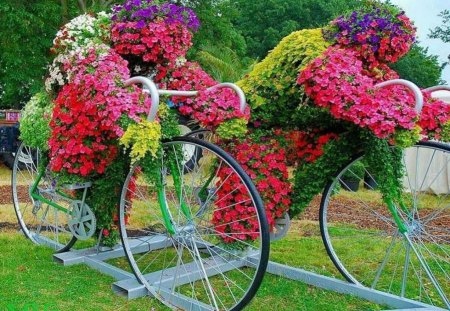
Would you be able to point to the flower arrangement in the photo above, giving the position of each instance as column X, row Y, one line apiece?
column 85, row 123
column 79, row 34
column 318, row 86
column 378, row 32
column 335, row 81
column 265, row 163
column 146, row 33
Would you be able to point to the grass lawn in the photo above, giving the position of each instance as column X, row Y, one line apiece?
column 30, row 280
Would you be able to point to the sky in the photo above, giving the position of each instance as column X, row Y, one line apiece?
column 424, row 14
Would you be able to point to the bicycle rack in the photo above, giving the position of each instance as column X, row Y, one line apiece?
column 126, row 284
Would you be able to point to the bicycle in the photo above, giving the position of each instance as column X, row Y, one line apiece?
column 166, row 224
column 403, row 249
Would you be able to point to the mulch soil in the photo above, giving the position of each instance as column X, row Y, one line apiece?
column 344, row 212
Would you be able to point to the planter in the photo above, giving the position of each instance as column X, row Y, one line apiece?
column 370, row 182
column 349, row 185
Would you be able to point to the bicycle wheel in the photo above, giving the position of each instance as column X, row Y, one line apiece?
column 39, row 221
column 365, row 244
column 174, row 236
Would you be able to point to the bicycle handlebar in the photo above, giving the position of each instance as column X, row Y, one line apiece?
column 411, row 86
column 150, row 87
column 438, row 88
column 234, row 87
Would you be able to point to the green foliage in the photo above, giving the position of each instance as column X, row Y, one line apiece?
column 406, row 138
column 222, row 63
column 233, row 128
column 105, row 194
column 26, row 35
column 355, row 173
column 34, row 123
column 216, row 28
column 264, row 23
column 442, row 32
column 385, row 161
column 271, row 87
column 419, row 67
column 310, row 179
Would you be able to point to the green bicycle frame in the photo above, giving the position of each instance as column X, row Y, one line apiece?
column 35, row 195
column 163, row 203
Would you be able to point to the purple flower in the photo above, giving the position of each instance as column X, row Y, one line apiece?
column 139, row 10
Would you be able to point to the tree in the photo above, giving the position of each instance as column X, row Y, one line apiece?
column 419, row 67
column 26, row 41
column 443, row 32
column 26, row 35
column 264, row 23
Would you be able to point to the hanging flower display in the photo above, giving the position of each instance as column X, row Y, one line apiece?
column 146, row 33
column 380, row 33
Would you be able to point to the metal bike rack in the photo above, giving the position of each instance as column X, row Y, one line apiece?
column 126, row 284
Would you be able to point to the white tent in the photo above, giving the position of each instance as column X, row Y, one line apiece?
column 434, row 178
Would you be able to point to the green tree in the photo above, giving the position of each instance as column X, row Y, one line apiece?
column 264, row 23
column 442, row 32
column 222, row 63
column 216, row 28
column 26, row 35
column 419, row 67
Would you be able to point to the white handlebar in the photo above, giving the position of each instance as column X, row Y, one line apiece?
column 150, row 87
column 438, row 88
column 234, row 87
column 411, row 86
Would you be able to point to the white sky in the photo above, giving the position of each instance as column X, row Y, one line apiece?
column 424, row 14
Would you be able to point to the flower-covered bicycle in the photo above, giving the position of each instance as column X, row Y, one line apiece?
column 329, row 104
column 102, row 159
column 325, row 107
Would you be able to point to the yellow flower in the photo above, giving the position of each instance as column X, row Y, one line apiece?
column 143, row 138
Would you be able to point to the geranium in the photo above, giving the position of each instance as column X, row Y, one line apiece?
column 147, row 33
column 381, row 33
column 304, row 147
column 265, row 163
column 85, row 123
column 184, row 76
column 212, row 108
column 435, row 118
column 155, row 42
column 335, row 81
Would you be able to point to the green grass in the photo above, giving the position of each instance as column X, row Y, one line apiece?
column 31, row 277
